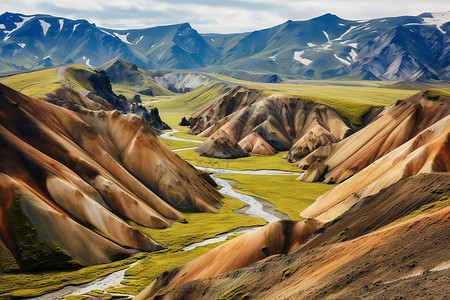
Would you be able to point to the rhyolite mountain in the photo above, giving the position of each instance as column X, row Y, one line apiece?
column 394, row 48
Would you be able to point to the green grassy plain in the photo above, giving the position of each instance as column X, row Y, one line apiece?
column 34, row 84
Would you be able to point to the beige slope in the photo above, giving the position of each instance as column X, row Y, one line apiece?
column 280, row 120
column 96, row 169
column 221, row 145
column 427, row 152
column 276, row 238
column 256, row 144
column 396, row 125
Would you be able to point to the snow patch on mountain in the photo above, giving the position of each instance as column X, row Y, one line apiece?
column 342, row 60
column 273, row 57
column 18, row 26
column 104, row 31
column 310, row 44
column 298, row 57
column 22, row 45
column 326, row 35
column 61, row 24
column 123, row 37
column 2, row 26
column 352, row 54
column 45, row 26
column 139, row 40
column 438, row 19
column 350, row 29
column 353, row 45
column 75, row 27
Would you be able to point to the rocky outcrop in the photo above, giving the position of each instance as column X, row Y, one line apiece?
column 70, row 178
column 221, row 145
column 184, row 122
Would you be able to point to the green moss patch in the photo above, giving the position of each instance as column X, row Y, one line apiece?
column 34, row 253
column 236, row 293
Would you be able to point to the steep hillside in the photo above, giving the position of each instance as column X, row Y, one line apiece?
column 275, row 123
column 351, row 257
column 393, row 48
column 394, row 126
column 77, row 175
column 427, row 152
column 121, row 72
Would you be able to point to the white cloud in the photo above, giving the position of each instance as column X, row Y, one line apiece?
column 216, row 16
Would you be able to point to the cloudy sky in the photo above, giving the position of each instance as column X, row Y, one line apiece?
column 220, row 16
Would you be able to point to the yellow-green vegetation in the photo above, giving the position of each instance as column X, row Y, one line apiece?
column 435, row 93
column 194, row 99
column 236, row 293
column 33, row 285
column 442, row 202
column 141, row 275
column 35, row 84
column 287, row 194
column 350, row 99
column 34, row 253
column 253, row 162
column 175, row 144
column 77, row 75
column 286, row 272
column 7, row 261
column 77, row 297
column 201, row 226
column 376, row 282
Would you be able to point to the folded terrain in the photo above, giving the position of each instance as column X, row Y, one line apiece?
column 393, row 48
column 71, row 178
column 409, row 138
column 265, row 125
column 388, row 245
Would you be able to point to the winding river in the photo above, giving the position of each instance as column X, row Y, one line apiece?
column 256, row 207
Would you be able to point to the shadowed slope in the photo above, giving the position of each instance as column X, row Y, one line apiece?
column 86, row 170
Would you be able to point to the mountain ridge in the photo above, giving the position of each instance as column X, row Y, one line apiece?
column 393, row 48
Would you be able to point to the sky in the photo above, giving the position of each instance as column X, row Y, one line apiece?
column 223, row 16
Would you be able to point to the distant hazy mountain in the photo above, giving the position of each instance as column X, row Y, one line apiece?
column 396, row 48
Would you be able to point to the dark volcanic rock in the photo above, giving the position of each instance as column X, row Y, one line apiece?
column 184, row 122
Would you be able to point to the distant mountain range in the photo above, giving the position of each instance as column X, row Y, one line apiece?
column 394, row 48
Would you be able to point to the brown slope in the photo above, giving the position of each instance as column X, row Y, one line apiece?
column 91, row 168
column 394, row 262
column 427, row 152
column 233, row 100
column 256, row 144
column 276, row 238
column 280, row 120
column 393, row 127
column 221, row 145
